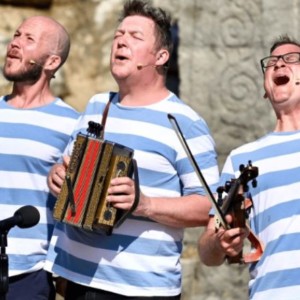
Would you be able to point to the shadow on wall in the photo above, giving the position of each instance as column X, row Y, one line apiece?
column 33, row 3
column 173, row 81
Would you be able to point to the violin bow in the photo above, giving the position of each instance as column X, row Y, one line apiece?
column 218, row 211
column 220, row 220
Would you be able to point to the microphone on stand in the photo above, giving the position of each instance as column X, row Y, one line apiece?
column 25, row 217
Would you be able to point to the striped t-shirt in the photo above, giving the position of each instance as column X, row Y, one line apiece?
column 275, row 217
column 31, row 141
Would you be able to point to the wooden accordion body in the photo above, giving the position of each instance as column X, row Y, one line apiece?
column 94, row 162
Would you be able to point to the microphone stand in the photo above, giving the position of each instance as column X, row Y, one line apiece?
column 3, row 265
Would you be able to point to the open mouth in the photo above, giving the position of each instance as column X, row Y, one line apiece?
column 281, row 80
column 120, row 57
column 13, row 54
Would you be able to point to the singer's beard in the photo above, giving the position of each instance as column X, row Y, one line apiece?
column 32, row 74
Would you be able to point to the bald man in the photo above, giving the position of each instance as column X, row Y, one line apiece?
column 34, row 130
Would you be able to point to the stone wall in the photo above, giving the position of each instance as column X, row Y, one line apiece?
column 221, row 42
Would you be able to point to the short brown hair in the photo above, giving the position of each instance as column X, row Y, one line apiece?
column 283, row 40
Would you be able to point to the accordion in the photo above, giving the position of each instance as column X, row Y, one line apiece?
column 93, row 163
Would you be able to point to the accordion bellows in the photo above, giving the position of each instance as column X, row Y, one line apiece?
column 93, row 163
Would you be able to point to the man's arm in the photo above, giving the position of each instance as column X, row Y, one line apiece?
column 185, row 211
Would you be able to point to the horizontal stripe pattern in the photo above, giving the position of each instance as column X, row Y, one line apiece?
column 275, row 216
column 141, row 257
column 31, row 140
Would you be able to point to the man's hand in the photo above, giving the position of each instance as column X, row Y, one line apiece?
column 215, row 245
column 121, row 193
column 231, row 241
column 57, row 175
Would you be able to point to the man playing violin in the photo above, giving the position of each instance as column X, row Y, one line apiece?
column 275, row 214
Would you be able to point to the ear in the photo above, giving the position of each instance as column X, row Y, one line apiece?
column 265, row 95
column 53, row 63
column 162, row 57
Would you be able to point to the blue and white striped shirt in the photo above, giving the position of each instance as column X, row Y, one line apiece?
column 141, row 257
column 31, row 141
column 275, row 218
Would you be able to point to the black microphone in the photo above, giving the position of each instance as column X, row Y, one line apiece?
column 25, row 217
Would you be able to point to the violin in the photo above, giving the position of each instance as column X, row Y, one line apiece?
column 236, row 204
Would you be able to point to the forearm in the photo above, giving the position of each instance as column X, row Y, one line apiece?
column 179, row 212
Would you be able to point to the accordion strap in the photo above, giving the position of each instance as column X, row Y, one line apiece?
column 105, row 113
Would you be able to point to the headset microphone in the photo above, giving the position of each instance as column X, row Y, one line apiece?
column 33, row 62
column 141, row 66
